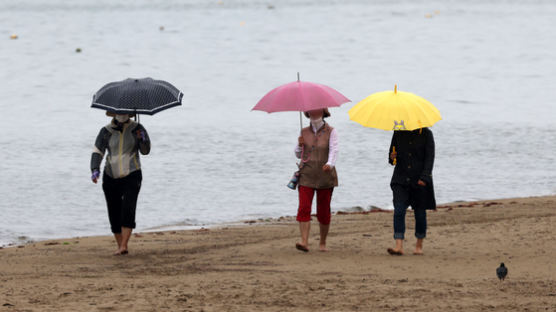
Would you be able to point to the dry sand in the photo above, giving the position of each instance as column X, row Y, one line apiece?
column 255, row 267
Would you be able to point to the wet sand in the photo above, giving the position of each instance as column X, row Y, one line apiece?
column 255, row 267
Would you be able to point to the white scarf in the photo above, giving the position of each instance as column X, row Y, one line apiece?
column 317, row 123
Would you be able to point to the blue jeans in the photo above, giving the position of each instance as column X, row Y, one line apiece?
column 403, row 198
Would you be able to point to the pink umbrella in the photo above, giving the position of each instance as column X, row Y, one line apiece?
column 300, row 96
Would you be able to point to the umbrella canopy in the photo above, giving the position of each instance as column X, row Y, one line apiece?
column 300, row 96
column 137, row 96
column 395, row 110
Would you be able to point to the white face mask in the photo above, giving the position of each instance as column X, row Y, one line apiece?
column 122, row 118
column 317, row 122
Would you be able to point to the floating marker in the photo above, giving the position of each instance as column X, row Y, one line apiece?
column 13, row 37
column 78, row 50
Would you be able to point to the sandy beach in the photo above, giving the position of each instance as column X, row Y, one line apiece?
column 255, row 267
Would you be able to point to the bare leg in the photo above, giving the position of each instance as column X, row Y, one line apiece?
column 323, row 233
column 419, row 247
column 126, row 234
column 118, row 237
column 304, row 228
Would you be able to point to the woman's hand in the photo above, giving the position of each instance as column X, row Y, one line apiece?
column 326, row 168
column 421, row 183
column 141, row 135
column 393, row 156
column 95, row 176
column 300, row 141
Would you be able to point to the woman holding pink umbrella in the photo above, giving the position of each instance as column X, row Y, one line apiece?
column 317, row 148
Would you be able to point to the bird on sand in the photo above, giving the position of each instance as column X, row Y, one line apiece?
column 502, row 271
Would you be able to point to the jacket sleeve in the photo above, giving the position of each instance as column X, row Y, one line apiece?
column 392, row 144
column 426, row 174
column 144, row 143
column 101, row 144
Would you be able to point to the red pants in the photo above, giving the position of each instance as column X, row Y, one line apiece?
column 324, row 196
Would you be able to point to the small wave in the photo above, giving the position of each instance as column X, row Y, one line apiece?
column 370, row 208
column 182, row 225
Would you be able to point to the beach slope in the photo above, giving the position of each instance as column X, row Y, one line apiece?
column 255, row 267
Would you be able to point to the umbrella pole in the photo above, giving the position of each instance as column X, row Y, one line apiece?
column 300, row 119
column 137, row 117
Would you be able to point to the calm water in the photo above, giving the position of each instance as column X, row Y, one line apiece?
column 487, row 65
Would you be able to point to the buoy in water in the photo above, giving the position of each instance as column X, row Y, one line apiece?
column 13, row 37
column 78, row 50
column 161, row 28
column 428, row 15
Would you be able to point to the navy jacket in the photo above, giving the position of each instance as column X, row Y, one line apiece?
column 414, row 161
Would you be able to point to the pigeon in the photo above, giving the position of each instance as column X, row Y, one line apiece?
column 502, row 271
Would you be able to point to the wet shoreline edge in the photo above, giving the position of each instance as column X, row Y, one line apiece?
column 282, row 220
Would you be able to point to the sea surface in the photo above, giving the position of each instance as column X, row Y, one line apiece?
column 488, row 66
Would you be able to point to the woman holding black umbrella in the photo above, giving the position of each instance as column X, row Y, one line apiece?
column 124, row 139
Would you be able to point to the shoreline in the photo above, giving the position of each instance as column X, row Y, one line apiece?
column 255, row 266
column 259, row 221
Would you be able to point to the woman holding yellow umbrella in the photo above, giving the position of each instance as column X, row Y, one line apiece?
column 411, row 152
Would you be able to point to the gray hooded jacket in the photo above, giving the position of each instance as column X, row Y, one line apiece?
column 123, row 145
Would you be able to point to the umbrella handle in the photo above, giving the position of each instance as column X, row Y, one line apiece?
column 303, row 152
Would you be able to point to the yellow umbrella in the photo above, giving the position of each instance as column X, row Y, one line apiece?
column 394, row 110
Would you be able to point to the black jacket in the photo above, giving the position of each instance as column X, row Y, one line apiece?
column 414, row 161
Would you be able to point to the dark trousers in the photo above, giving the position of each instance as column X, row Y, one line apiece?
column 405, row 196
column 121, row 199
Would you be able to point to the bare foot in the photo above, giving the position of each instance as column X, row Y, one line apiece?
column 323, row 248
column 419, row 247
column 121, row 252
column 395, row 252
column 301, row 247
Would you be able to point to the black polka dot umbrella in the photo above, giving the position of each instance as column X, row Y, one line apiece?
column 137, row 96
